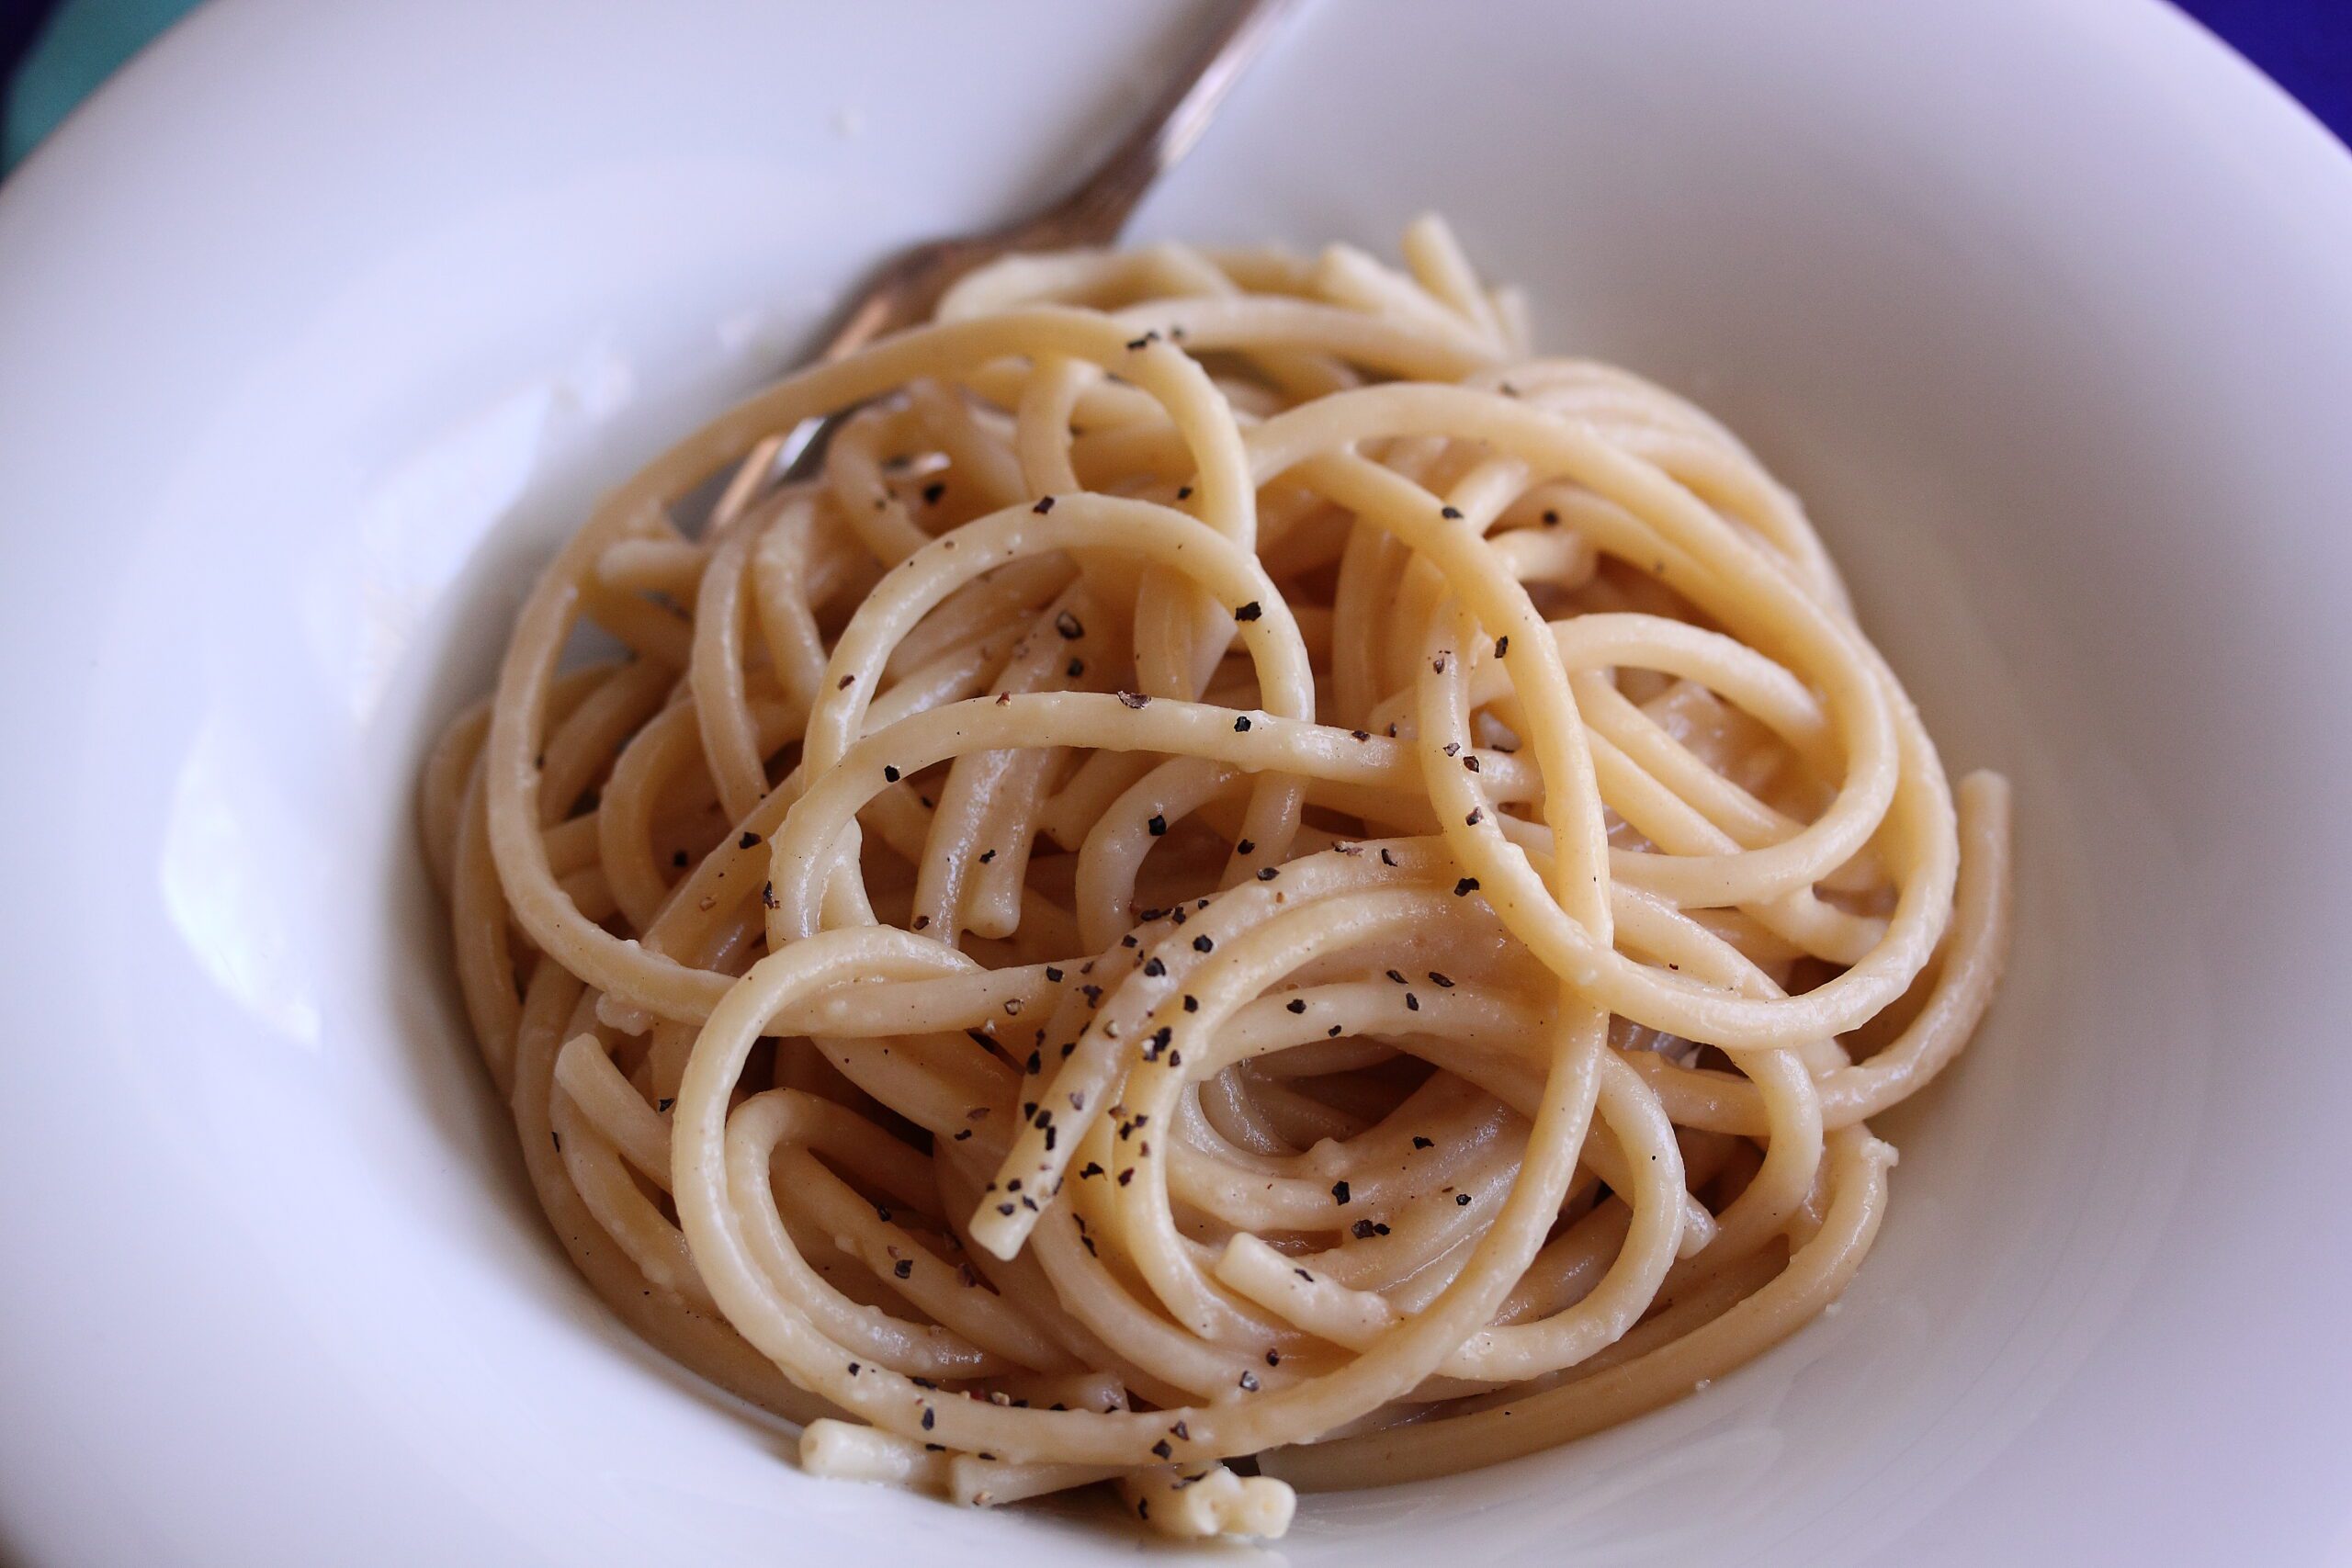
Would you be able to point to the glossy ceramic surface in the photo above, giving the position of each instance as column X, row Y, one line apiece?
column 322, row 325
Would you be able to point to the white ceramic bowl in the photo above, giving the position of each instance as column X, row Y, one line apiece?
column 321, row 325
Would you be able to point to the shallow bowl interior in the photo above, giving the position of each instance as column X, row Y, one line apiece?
column 321, row 328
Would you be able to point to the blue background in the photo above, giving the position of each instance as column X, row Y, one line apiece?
column 53, row 51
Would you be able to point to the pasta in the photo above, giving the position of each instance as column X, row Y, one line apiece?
column 1254, row 888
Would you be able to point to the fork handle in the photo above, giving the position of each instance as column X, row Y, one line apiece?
column 1091, row 212
column 1094, row 211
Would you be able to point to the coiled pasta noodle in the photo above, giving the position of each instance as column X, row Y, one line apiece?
column 1251, row 874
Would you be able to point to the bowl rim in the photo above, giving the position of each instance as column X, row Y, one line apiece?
column 87, row 155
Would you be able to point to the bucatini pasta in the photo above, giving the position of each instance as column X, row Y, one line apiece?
column 1252, row 889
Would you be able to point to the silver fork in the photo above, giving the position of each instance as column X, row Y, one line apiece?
column 904, row 290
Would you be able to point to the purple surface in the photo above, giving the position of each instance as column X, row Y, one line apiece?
column 2305, row 45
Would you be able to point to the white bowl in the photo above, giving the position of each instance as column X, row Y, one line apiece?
column 321, row 325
